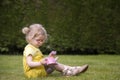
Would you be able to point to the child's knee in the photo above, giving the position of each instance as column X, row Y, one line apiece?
column 50, row 70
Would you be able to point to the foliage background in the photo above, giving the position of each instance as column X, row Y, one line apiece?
column 73, row 26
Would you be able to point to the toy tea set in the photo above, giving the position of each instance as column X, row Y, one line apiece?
column 51, row 60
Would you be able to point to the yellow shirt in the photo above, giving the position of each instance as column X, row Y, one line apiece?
column 37, row 56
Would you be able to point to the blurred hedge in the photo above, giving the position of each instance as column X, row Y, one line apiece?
column 74, row 26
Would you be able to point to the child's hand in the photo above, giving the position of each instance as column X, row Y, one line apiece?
column 43, row 61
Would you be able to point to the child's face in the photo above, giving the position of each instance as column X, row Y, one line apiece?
column 37, row 40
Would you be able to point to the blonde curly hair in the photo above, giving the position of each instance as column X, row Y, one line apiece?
column 32, row 30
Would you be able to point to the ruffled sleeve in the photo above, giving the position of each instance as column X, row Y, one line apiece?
column 29, row 50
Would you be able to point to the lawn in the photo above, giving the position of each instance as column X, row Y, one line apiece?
column 101, row 67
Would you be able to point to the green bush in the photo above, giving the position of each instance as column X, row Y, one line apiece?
column 78, row 26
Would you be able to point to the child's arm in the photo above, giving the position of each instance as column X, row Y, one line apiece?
column 34, row 64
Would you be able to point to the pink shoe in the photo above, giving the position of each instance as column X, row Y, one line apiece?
column 83, row 68
column 72, row 71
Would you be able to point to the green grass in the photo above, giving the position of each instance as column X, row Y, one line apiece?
column 101, row 67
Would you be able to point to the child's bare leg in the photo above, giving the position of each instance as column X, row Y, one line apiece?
column 59, row 67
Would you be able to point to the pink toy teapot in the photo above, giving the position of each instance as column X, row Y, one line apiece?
column 51, row 60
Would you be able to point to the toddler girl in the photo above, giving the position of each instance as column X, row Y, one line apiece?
column 34, row 63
